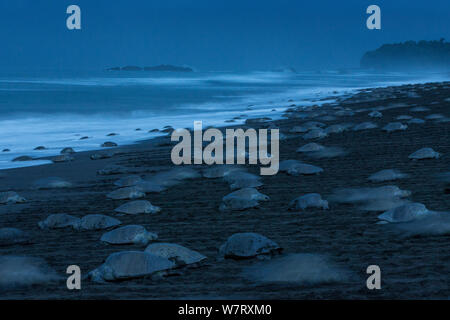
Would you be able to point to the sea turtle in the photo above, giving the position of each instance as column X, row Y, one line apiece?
column 404, row 213
column 404, row 117
column 67, row 151
column 424, row 153
column 128, row 265
column 337, row 128
column 128, row 181
column 10, row 197
column 51, row 183
column 308, row 200
column 248, row 245
column 311, row 147
column 12, row 236
column 344, row 113
column 174, row 176
column 40, row 148
column 416, row 121
column 59, row 221
column 97, row 222
column 22, row 158
column 314, row 124
column 365, row 126
column 435, row 116
column 131, row 234
column 420, row 109
column 102, row 155
column 242, row 199
column 327, row 118
column 138, row 207
column 394, row 126
column 239, row 180
column 219, row 171
column 299, row 129
column 295, row 168
column 126, row 193
column 62, row 158
column 178, row 254
column 375, row 114
column 317, row 133
column 387, row 175
column 434, row 223
column 109, row 144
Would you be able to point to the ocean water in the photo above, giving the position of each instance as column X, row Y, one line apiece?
column 56, row 109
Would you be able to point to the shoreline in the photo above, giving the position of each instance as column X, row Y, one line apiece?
column 412, row 267
column 96, row 130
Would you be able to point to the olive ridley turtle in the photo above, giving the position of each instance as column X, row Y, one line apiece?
column 138, row 207
column 308, row 200
column 424, row 153
column 178, row 254
column 131, row 234
column 128, row 265
column 126, row 193
column 248, row 245
column 59, row 221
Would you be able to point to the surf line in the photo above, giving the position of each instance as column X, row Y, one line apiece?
column 213, row 153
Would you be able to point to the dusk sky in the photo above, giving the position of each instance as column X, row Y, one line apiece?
column 209, row 35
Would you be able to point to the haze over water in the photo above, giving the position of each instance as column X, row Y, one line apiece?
column 56, row 110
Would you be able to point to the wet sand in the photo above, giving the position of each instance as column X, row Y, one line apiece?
column 412, row 268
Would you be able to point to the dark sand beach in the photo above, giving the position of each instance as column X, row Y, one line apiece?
column 412, row 267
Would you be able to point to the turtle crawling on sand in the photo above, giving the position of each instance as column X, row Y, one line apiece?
column 67, row 151
column 220, row 171
column 375, row 114
column 131, row 234
column 308, row 200
column 59, row 221
column 126, row 193
column 365, row 126
column 128, row 181
column 424, row 153
column 97, row 222
column 138, row 207
column 10, row 197
column 62, row 158
column 311, row 147
column 338, row 128
column 242, row 199
column 394, row 126
column 239, row 180
column 128, row 265
column 248, row 245
column 316, row 133
column 295, row 168
column 178, row 254
column 405, row 213
column 102, row 155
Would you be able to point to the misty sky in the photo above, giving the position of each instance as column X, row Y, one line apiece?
column 209, row 35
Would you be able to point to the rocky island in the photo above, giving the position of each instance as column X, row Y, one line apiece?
column 409, row 55
column 158, row 68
